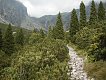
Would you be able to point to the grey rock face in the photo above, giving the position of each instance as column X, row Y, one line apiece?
column 12, row 11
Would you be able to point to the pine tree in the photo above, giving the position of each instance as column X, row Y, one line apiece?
column 54, row 33
column 42, row 33
column 101, row 12
column 74, row 24
column 50, row 32
column 19, row 39
column 93, row 13
column 8, row 46
column 82, row 15
column 35, row 30
column 59, row 31
column 1, row 40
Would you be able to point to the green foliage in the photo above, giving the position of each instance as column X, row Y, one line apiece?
column 58, row 30
column 101, row 12
column 103, row 40
column 8, row 46
column 96, row 70
column 7, row 73
column 42, row 33
column 5, row 60
column 67, row 37
column 35, row 30
column 50, row 33
column 43, row 58
column 85, row 37
column 93, row 13
column 54, row 33
column 1, row 40
column 94, row 53
column 92, row 39
column 103, row 54
column 82, row 15
column 35, row 38
column 44, row 61
column 19, row 39
column 46, row 58
column 74, row 25
column 58, row 48
column 3, row 27
column 14, row 29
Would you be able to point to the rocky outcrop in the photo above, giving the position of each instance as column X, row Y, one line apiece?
column 13, row 11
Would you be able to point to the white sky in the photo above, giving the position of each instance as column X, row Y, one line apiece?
column 38, row 8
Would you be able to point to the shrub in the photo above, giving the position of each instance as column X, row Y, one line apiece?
column 96, row 70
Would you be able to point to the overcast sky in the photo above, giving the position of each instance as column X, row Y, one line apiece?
column 38, row 8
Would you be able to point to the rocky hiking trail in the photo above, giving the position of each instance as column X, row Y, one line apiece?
column 76, row 65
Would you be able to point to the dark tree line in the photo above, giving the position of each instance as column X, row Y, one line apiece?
column 8, row 40
column 94, row 16
column 96, row 22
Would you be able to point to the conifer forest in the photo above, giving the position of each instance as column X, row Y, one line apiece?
column 55, row 53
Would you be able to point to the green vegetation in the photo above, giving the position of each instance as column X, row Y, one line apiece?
column 19, row 39
column 96, row 70
column 45, row 60
column 50, row 31
column 1, row 40
column 82, row 15
column 93, row 13
column 90, row 40
column 58, row 29
column 8, row 43
column 42, row 57
column 74, row 24
column 101, row 12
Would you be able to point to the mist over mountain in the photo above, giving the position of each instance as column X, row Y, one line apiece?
column 14, row 12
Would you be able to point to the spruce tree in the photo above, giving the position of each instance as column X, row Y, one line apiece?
column 50, row 32
column 82, row 15
column 59, row 31
column 35, row 30
column 1, row 40
column 42, row 33
column 54, row 33
column 101, row 12
column 8, row 46
column 93, row 13
column 19, row 39
column 74, row 24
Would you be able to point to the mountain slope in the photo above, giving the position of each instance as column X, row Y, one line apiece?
column 51, row 19
column 14, row 12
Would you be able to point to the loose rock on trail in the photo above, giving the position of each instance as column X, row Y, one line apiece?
column 76, row 65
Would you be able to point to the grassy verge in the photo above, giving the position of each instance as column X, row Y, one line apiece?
column 96, row 70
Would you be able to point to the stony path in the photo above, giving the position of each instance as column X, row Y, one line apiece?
column 76, row 66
